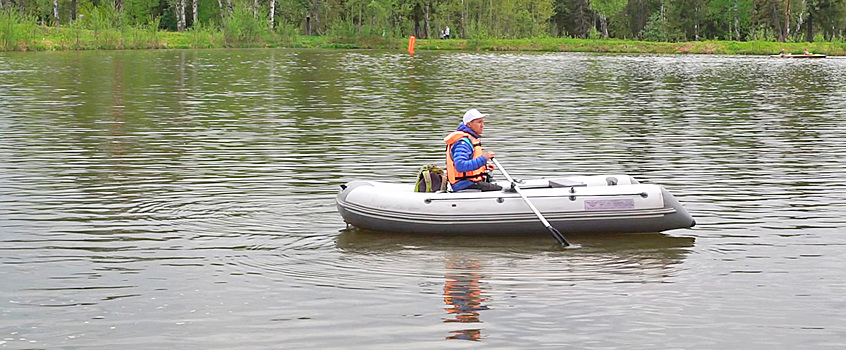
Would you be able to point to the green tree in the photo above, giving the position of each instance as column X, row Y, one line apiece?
column 829, row 16
column 605, row 9
column 687, row 16
column 729, row 18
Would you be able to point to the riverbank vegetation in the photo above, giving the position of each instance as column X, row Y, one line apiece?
column 640, row 26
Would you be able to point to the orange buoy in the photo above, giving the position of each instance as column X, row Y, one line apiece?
column 411, row 44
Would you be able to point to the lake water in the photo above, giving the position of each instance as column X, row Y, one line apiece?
column 185, row 200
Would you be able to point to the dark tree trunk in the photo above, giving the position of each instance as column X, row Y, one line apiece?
column 426, row 28
column 603, row 25
column 777, row 22
column 809, row 33
column 787, row 21
column 315, row 17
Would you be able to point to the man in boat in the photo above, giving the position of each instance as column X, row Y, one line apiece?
column 466, row 163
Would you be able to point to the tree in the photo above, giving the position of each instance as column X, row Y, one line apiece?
column 573, row 17
column 687, row 16
column 313, row 18
column 605, row 9
column 272, row 13
column 769, row 13
column 56, row 13
column 180, row 15
column 426, row 10
column 827, row 15
column 787, row 20
column 727, row 17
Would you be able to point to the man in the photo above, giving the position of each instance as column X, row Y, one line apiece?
column 466, row 163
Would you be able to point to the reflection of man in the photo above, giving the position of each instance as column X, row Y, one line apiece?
column 463, row 298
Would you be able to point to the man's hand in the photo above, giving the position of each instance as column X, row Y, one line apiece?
column 490, row 167
column 488, row 155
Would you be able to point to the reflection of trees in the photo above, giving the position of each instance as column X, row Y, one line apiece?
column 463, row 296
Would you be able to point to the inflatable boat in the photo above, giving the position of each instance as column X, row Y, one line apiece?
column 579, row 204
column 790, row 55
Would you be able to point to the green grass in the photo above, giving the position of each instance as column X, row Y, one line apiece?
column 18, row 33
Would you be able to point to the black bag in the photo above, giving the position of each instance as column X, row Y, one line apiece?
column 430, row 178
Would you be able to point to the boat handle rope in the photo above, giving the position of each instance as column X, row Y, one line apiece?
column 571, row 196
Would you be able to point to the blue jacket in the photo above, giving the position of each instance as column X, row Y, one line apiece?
column 462, row 153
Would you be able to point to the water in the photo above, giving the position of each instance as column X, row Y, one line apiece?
column 185, row 200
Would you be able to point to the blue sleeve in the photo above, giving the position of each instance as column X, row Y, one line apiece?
column 462, row 153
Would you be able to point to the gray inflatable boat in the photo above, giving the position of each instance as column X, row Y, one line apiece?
column 579, row 204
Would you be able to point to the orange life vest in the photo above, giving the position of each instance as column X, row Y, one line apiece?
column 454, row 175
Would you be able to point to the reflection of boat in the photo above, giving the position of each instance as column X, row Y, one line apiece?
column 790, row 55
column 582, row 204
column 631, row 245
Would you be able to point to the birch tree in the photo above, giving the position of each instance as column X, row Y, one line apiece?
column 56, row 13
column 272, row 13
column 180, row 15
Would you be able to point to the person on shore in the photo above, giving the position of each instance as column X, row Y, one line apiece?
column 466, row 163
column 446, row 33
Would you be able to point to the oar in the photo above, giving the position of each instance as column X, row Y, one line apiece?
column 555, row 233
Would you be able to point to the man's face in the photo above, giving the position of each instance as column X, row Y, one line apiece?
column 477, row 125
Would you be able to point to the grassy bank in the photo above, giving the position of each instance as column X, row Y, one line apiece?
column 634, row 46
column 17, row 36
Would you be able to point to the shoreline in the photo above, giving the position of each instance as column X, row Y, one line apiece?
column 57, row 40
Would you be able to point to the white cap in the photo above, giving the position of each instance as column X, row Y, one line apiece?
column 472, row 115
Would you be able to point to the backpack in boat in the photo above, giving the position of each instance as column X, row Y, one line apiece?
column 430, row 178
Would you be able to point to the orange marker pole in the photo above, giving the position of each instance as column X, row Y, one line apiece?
column 411, row 45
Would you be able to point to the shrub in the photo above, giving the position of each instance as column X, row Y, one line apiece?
column 245, row 27
column 16, row 30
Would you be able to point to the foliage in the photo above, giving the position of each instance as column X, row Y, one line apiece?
column 16, row 30
column 387, row 23
column 142, row 36
column 140, row 11
column 100, row 18
column 201, row 36
column 659, row 29
column 244, row 26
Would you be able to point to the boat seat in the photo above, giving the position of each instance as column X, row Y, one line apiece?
column 557, row 183
column 554, row 183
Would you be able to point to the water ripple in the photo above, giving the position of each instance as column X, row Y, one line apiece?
column 200, row 195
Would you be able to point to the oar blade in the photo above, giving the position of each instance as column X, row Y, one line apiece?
column 558, row 236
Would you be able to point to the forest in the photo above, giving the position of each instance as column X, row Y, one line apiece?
column 644, row 20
